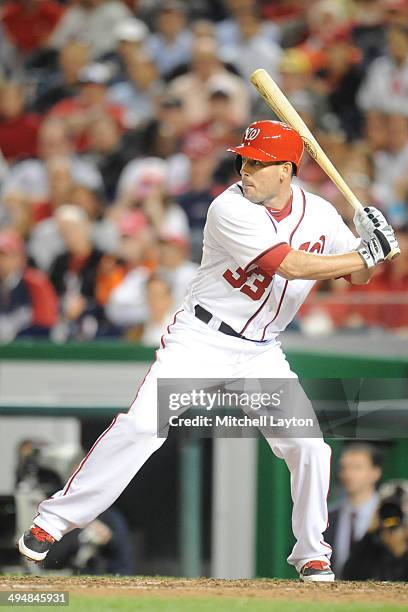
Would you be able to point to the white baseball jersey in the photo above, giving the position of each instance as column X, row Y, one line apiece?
column 231, row 286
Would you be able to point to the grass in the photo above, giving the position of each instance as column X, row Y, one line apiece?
column 211, row 604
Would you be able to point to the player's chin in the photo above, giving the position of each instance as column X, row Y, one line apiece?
column 250, row 194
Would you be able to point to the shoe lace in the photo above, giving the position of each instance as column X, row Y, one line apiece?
column 42, row 535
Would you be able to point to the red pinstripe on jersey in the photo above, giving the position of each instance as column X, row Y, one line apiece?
column 286, row 283
column 271, row 219
column 163, row 345
column 84, row 460
column 257, row 312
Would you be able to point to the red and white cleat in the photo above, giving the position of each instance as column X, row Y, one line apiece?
column 35, row 543
column 316, row 571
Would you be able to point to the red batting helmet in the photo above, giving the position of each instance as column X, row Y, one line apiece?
column 270, row 141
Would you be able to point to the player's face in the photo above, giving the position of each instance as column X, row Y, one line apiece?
column 262, row 181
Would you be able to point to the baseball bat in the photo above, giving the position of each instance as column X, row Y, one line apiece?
column 281, row 106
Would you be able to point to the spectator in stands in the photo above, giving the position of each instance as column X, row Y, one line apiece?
column 16, row 213
column 130, row 35
column 203, row 28
column 206, row 72
column 60, row 181
column 387, row 308
column 18, row 128
column 252, row 49
column 92, row 21
column 385, row 86
column 375, row 131
column 383, row 552
column 137, row 94
column 221, row 126
column 91, row 101
column 104, row 231
column 175, row 267
column 72, row 58
column 390, row 165
column 228, row 30
column 152, row 185
column 3, row 167
column 323, row 18
column 196, row 200
column 303, row 92
column 160, row 208
column 29, row 24
column 171, row 43
column 283, row 11
column 399, row 207
column 106, row 152
column 341, row 78
column 160, row 307
column 163, row 135
column 30, row 177
column 368, row 31
column 359, row 473
column 28, row 304
column 73, row 274
column 395, row 12
column 295, row 71
column 126, row 306
column 46, row 241
column 358, row 171
column 11, row 62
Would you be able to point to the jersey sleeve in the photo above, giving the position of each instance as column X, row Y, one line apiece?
column 246, row 231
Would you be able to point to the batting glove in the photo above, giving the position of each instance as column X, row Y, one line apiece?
column 379, row 247
column 367, row 220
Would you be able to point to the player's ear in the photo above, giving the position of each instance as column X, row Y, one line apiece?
column 286, row 170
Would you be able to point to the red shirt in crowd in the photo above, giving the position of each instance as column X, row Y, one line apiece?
column 18, row 136
column 69, row 107
column 28, row 25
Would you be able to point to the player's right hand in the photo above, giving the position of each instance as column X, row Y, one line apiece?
column 367, row 220
column 379, row 247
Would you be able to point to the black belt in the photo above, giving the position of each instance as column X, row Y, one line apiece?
column 205, row 316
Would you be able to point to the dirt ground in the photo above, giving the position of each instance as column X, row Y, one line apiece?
column 204, row 587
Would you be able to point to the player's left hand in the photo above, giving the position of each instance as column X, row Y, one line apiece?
column 367, row 221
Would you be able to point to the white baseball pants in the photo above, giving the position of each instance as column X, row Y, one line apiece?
column 191, row 349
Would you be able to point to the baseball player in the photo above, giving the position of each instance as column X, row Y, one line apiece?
column 266, row 242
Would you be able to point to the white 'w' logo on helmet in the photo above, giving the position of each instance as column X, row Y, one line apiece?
column 251, row 133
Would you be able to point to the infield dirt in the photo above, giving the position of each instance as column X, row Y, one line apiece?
column 96, row 586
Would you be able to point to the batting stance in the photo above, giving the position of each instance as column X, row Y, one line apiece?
column 266, row 242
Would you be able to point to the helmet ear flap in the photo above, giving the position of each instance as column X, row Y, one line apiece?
column 238, row 163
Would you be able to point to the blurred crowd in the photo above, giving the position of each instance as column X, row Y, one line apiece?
column 115, row 116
